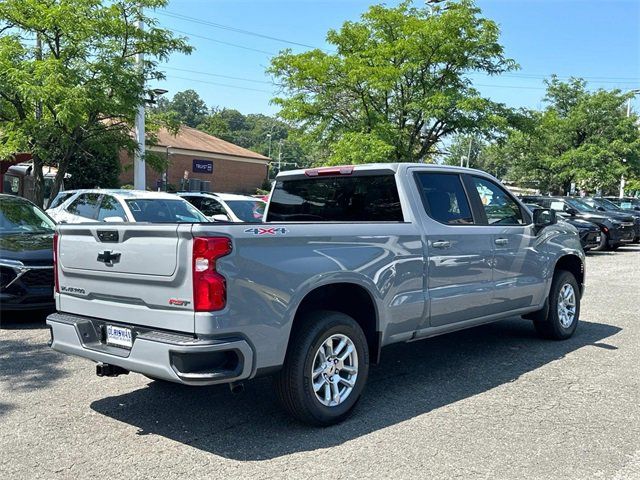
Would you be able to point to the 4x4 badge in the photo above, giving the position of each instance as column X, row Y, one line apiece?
column 267, row 230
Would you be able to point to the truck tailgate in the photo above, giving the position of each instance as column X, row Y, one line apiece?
column 129, row 273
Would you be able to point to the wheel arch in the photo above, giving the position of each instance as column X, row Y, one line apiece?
column 575, row 265
column 351, row 299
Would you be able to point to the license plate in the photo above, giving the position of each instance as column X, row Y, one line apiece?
column 119, row 336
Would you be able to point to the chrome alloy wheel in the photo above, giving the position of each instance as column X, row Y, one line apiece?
column 334, row 370
column 567, row 305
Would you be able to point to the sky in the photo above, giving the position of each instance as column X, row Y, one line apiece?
column 235, row 39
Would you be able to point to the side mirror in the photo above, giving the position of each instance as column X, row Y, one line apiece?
column 600, row 209
column 543, row 217
column 114, row 219
column 572, row 211
column 221, row 217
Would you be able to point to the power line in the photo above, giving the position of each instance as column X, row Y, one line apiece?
column 180, row 16
column 224, row 43
column 615, row 80
column 219, row 84
column 243, row 79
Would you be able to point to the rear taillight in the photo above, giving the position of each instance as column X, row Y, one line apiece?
column 55, row 263
column 209, row 287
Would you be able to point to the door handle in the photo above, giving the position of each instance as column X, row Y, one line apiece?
column 441, row 244
column 501, row 241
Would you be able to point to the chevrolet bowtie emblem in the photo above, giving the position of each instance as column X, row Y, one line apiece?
column 109, row 257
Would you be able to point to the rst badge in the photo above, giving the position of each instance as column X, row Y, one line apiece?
column 179, row 302
column 267, row 230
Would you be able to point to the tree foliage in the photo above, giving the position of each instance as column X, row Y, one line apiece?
column 581, row 137
column 190, row 108
column 82, row 84
column 398, row 77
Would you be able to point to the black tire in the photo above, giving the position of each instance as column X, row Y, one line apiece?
column 614, row 247
column 294, row 383
column 604, row 243
column 551, row 327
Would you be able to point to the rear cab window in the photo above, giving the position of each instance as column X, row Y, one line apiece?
column 85, row 206
column 354, row 198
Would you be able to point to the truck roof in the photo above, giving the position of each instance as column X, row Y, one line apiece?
column 377, row 167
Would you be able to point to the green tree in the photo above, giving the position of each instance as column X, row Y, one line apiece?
column 581, row 137
column 190, row 108
column 399, row 77
column 79, row 83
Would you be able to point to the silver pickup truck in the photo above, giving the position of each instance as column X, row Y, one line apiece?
column 348, row 260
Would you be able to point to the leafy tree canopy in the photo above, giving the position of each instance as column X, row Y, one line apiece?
column 191, row 110
column 81, row 84
column 398, row 78
column 582, row 137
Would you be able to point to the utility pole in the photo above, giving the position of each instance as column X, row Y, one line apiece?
column 469, row 155
column 279, row 155
column 139, row 173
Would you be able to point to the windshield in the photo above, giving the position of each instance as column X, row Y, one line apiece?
column 157, row 210
column 247, row 210
column 580, row 205
column 607, row 204
column 22, row 217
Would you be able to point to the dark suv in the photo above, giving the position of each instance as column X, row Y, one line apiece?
column 617, row 229
column 26, row 255
column 588, row 232
column 605, row 205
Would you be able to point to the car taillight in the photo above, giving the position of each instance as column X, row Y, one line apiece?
column 55, row 263
column 209, row 287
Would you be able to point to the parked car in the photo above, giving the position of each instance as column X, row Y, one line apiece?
column 80, row 206
column 377, row 254
column 227, row 207
column 604, row 205
column 26, row 255
column 626, row 203
column 616, row 229
column 588, row 232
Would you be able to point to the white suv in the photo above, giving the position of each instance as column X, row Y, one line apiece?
column 227, row 207
column 99, row 205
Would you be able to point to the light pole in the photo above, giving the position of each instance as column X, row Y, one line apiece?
column 633, row 93
column 139, row 167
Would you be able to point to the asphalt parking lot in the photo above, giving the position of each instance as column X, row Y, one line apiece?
column 491, row 402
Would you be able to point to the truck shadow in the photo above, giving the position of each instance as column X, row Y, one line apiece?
column 413, row 379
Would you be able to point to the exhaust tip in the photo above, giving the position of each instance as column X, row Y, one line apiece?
column 107, row 370
column 236, row 387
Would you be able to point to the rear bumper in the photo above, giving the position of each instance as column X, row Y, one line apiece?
column 169, row 356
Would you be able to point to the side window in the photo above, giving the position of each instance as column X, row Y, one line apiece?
column 60, row 199
column 11, row 184
column 444, row 198
column 193, row 200
column 499, row 207
column 211, row 207
column 110, row 207
column 86, row 205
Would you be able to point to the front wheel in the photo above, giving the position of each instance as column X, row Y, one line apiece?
column 325, row 370
column 564, row 308
column 604, row 242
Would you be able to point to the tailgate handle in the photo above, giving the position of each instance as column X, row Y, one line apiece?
column 108, row 236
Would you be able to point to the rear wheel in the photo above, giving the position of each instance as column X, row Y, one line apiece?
column 325, row 370
column 564, row 308
column 604, row 242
